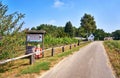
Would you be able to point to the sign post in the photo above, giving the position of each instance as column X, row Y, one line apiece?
column 34, row 36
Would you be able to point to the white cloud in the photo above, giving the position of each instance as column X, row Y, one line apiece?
column 58, row 3
column 52, row 22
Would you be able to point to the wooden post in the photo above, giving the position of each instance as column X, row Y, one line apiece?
column 74, row 45
column 63, row 49
column 32, row 59
column 78, row 42
column 70, row 46
column 26, row 44
column 43, row 45
column 52, row 53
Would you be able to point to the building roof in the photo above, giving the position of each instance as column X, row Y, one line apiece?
column 36, row 32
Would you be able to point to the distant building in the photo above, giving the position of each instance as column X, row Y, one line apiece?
column 108, row 38
column 80, row 38
column 91, row 37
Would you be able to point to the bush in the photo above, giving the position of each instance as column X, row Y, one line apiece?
column 10, row 46
column 52, row 41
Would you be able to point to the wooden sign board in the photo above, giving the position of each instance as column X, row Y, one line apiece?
column 29, row 49
column 34, row 38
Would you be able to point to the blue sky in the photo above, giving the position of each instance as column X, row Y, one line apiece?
column 58, row 12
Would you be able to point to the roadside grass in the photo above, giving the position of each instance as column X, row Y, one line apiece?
column 47, row 62
column 36, row 67
column 113, row 51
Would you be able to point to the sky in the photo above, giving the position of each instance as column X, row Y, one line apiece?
column 57, row 12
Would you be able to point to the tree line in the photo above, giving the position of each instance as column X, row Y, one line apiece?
column 87, row 26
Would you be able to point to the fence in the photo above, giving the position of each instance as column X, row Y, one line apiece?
column 31, row 55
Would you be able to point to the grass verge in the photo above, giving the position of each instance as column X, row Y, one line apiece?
column 36, row 67
column 113, row 51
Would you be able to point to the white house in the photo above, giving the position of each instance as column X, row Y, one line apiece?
column 91, row 37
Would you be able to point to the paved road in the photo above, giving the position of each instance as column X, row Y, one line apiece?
column 89, row 62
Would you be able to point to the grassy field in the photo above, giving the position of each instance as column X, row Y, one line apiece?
column 30, row 71
column 113, row 51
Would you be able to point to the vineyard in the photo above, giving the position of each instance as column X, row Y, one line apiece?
column 13, row 46
column 113, row 50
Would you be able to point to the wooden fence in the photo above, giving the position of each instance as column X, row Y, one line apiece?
column 31, row 55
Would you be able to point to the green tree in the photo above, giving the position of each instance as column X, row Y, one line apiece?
column 99, row 34
column 51, row 30
column 69, row 29
column 9, row 24
column 9, row 27
column 33, row 28
column 116, row 34
column 88, row 23
column 81, row 32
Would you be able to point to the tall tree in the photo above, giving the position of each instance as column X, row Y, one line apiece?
column 88, row 23
column 81, row 32
column 99, row 34
column 52, row 30
column 9, row 24
column 69, row 29
column 116, row 34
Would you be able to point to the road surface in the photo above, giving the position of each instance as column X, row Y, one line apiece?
column 90, row 61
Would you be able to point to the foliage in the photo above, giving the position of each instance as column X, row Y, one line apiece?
column 88, row 23
column 99, row 34
column 116, row 34
column 10, row 46
column 51, row 30
column 9, row 24
column 52, row 41
column 69, row 29
column 9, row 30
column 81, row 32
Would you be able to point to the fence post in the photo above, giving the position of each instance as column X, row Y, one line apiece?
column 63, row 49
column 43, row 54
column 74, row 45
column 52, row 53
column 78, row 42
column 32, row 59
column 70, row 46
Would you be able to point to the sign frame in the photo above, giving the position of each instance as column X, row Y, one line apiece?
column 34, row 37
column 36, row 32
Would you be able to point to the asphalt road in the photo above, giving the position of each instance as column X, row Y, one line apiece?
column 90, row 61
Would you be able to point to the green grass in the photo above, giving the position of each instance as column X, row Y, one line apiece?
column 46, row 63
column 36, row 67
column 113, row 51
